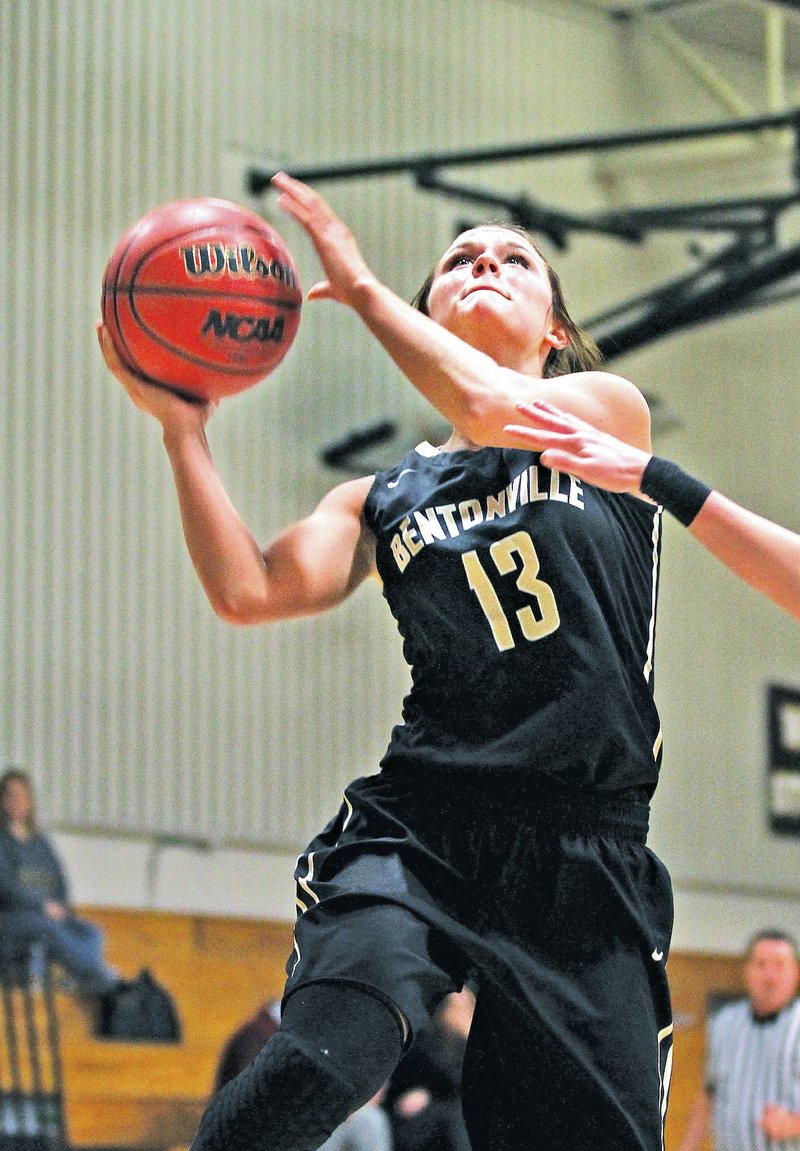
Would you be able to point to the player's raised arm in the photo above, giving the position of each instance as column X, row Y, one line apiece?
column 762, row 553
column 309, row 567
column 474, row 373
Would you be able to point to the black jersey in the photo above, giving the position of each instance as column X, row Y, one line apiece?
column 526, row 600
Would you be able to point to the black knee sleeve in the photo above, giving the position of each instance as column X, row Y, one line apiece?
column 348, row 1029
column 336, row 1047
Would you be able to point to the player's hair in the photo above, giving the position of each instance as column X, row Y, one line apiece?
column 581, row 353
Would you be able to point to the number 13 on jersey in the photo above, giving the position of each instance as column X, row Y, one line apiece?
column 514, row 553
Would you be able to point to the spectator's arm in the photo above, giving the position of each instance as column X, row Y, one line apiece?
column 61, row 892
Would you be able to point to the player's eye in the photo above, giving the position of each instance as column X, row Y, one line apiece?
column 518, row 258
column 456, row 259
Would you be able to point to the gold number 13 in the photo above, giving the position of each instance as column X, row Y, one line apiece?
column 510, row 554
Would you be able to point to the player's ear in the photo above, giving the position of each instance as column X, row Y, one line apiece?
column 557, row 336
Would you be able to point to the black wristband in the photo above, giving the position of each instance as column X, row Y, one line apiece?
column 673, row 488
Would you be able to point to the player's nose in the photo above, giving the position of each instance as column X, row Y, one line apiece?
column 485, row 262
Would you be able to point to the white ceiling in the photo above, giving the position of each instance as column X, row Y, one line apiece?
column 740, row 25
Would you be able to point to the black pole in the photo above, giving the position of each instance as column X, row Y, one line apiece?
column 679, row 306
column 653, row 6
column 258, row 179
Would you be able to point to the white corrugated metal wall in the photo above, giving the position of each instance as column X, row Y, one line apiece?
column 132, row 705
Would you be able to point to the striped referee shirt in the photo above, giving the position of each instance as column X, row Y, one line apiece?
column 750, row 1065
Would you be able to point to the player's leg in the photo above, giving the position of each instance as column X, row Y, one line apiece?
column 529, row 1087
column 573, row 1050
column 336, row 1047
column 367, row 963
column 362, row 974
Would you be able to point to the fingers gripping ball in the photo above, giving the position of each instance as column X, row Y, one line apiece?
column 202, row 297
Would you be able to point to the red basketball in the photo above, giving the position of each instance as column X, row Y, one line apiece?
column 202, row 297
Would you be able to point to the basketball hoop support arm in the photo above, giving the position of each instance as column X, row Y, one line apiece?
column 742, row 275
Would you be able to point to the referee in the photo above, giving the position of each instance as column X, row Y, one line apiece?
column 751, row 1095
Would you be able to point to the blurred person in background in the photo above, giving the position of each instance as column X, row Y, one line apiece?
column 35, row 910
column 423, row 1097
column 751, row 1095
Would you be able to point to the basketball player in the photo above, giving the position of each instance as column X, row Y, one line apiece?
column 760, row 552
column 504, row 838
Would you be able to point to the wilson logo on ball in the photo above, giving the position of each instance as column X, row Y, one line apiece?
column 214, row 260
column 202, row 297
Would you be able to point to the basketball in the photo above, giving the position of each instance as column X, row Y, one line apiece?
column 201, row 297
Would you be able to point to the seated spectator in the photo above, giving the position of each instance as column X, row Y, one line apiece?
column 34, row 898
column 246, row 1042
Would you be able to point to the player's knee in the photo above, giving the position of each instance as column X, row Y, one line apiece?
column 290, row 1098
column 348, row 1030
column 336, row 1047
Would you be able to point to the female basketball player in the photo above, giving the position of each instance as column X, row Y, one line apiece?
column 762, row 553
column 504, row 837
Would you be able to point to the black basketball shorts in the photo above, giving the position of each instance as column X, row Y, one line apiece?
column 550, row 902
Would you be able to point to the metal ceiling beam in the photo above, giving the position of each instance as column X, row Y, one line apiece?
column 257, row 178
column 651, row 7
column 744, row 274
column 725, row 285
column 672, row 24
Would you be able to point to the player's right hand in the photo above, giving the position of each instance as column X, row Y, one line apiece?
column 166, row 406
column 339, row 254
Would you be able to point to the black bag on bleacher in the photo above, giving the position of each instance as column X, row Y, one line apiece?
column 139, row 1009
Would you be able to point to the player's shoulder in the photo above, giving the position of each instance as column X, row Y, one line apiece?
column 620, row 396
column 349, row 495
column 611, row 384
column 417, row 466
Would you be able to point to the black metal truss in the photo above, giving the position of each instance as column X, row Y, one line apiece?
column 748, row 268
column 656, row 7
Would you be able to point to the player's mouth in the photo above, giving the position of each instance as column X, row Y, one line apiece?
column 486, row 288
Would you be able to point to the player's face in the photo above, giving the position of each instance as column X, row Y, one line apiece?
column 491, row 288
column 771, row 975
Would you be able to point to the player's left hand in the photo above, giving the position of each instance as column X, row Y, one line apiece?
column 336, row 246
column 569, row 444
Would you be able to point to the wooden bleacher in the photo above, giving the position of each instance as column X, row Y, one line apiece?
column 220, row 970
column 693, row 978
